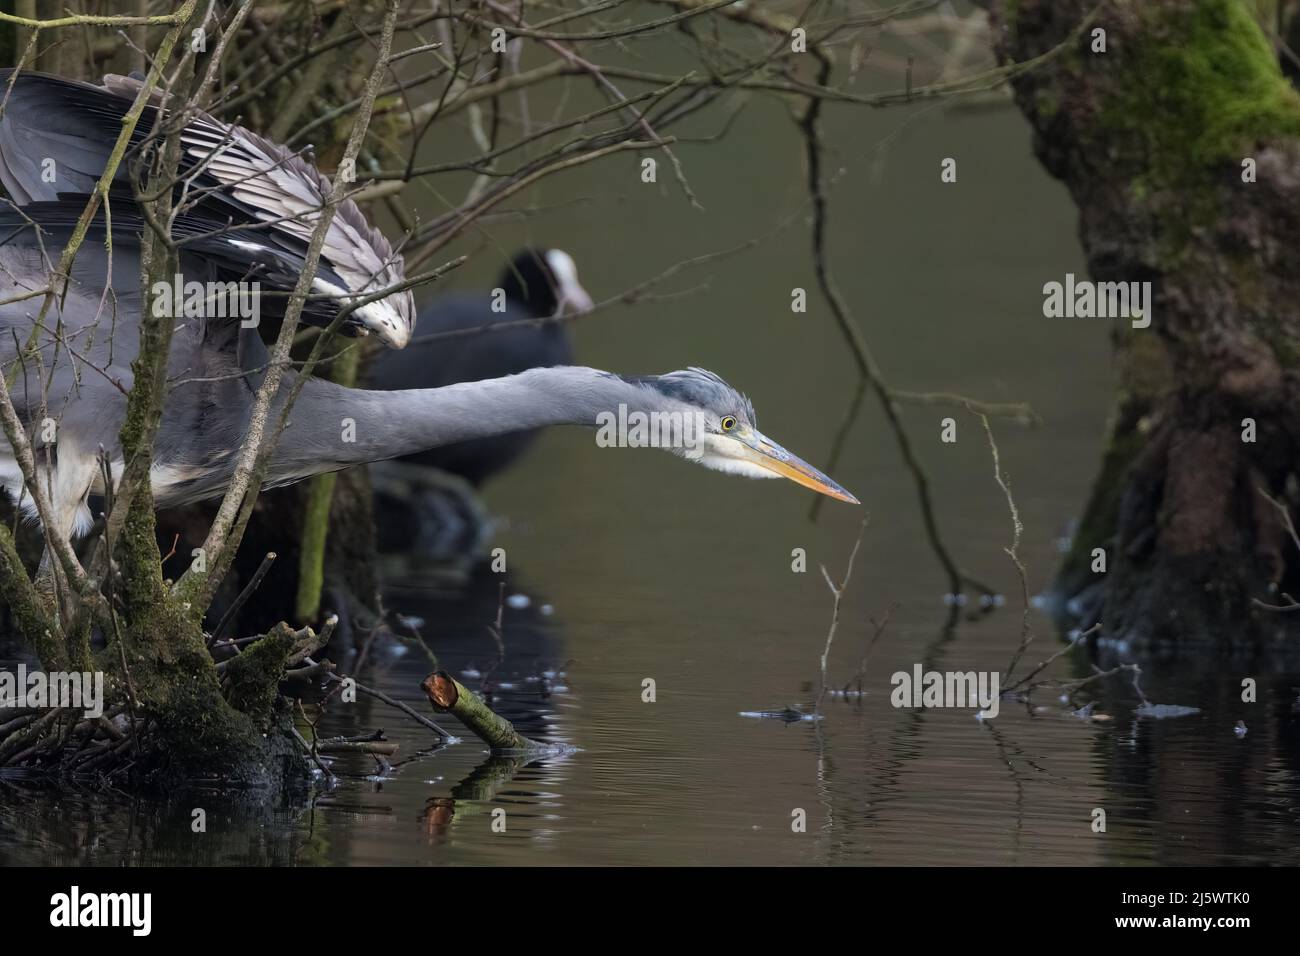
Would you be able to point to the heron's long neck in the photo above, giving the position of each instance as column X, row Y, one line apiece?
column 332, row 426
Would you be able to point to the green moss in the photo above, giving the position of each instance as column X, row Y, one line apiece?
column 1010, row 13
column 176, row 683
column 24, row 603
column 255, row 674
column 1200, row 87
column 1046, row 102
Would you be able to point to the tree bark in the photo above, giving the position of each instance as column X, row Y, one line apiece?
column 1152, row 138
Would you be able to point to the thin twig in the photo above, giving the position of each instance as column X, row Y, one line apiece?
column 1013, row 552
column 838, row 592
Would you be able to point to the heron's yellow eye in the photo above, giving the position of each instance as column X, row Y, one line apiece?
column 728, row 423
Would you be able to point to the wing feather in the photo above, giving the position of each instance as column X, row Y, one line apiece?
column 243, row 177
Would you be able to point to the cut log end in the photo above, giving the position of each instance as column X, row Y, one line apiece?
column 441, row 690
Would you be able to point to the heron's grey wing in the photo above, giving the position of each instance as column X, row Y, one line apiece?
column 264, row 180
column 210, row 250
column 239, row 176
column 269, row 182
column 55, row 136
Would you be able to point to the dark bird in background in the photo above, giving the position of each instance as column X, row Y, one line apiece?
column 457, row 342
column 82, row 372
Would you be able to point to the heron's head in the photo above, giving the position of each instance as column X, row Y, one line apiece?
column 726, row 436
column 546, row 282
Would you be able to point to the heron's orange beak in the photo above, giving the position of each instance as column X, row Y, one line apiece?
column 770, row 456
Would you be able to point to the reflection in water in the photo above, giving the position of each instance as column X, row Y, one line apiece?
column 522, row 675
column 87, row 826
column 689, row 780
column 1192, row 788
column 483, row 791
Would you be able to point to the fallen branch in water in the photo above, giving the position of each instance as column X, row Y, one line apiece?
column 450, row 695
column 380, row 695
column 382, row 747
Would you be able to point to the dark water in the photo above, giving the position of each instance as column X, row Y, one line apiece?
column 654, row 569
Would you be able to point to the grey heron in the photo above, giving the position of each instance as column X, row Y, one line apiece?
column 457, row 342
column 81, row 370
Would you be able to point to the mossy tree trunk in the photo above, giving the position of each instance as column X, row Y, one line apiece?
column 1152, row 138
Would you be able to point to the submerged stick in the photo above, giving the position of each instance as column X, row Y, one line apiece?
column 383, row 747
column 450, row 695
